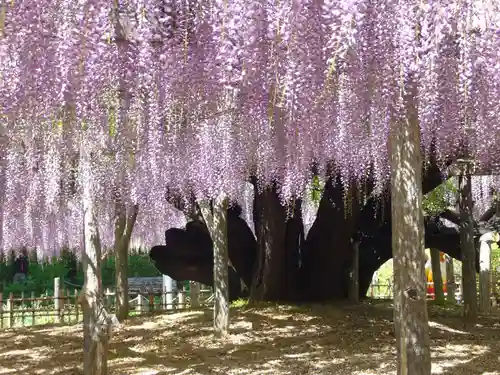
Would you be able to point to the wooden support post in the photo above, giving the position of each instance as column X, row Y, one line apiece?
column 33, row 309
column 469, row 291
column 1, row 310
column 408, row 246
column 96, row 327
column 10, row 311
column 437, row 279
column 57, row 299
column 216, row 220
column 194, row 294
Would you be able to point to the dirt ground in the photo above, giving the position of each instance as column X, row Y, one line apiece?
column 270, row 340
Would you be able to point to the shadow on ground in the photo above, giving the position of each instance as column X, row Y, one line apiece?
column 271, row 340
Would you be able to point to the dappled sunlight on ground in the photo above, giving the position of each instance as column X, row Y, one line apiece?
column 269, row 340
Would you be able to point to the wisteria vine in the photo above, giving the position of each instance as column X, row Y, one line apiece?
column 197, row 95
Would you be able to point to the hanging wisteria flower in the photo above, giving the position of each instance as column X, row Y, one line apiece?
column 197, row 96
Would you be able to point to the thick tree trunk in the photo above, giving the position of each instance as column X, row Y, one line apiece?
column 485, row 271
column 410, row 302
column 327, row 251
column 96, row 327
column 293, row 243
column 278, row 242
column 437, row 277
column 450, row 280
column 469, row 291
column 123, row 232
column 217, row 225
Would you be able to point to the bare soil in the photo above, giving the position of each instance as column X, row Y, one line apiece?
column 274, row 340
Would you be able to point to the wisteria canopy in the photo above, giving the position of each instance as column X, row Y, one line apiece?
column 197, row 95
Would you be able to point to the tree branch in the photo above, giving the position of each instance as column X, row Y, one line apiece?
column 450, row 215
column 490, row 212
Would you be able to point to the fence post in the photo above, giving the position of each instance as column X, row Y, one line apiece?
column 57, row 299
column 494, row 291
column 77, row 307
column 1, row 310
column 22, row 309
column 67, row 304
column 140, row 307
column 168, row 291
column 151, row 300
column 108, row 298
column 33, row 308
column 182, row 298
column 62, row 298
column 194, row 294
column 10, row 310
column 375, row 282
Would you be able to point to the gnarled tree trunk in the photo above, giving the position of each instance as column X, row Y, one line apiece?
column 278, row 242
column 327, row 252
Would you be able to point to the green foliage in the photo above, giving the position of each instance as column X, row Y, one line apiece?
column 317, row 187
column 495, row 256
column 439, row 199
column 41, row 273
column 240, row 303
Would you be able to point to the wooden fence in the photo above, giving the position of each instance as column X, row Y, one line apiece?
column 62, row 307
column 384, row 289
column 147, row 295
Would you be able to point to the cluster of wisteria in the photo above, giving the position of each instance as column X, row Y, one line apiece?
column 197, row 95
column 485, row 193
